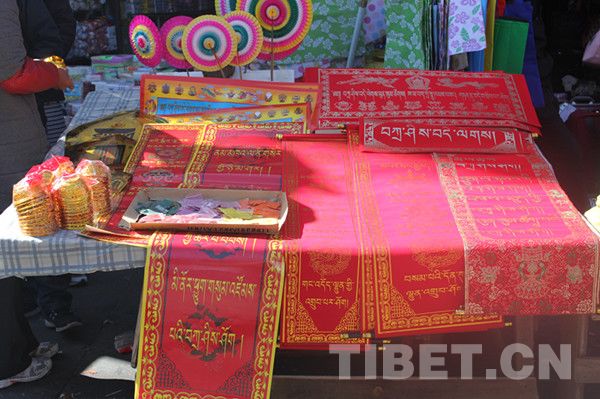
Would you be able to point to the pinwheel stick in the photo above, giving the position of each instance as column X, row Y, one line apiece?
column 272, row 55
column 217, row 59
column 271, row 16
column 237, row 60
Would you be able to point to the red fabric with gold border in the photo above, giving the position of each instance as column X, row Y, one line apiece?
column 528, row 250
column 322, row 298
column 209, row 317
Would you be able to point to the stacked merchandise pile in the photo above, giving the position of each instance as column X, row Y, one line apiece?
column 95, row 33
column 55, row 195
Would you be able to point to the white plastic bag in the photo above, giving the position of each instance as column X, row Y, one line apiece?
column 591, row 55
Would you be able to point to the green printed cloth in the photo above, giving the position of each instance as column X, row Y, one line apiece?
column 330, row 34
column 406, row 34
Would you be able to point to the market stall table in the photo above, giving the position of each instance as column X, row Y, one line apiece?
column 344, row 186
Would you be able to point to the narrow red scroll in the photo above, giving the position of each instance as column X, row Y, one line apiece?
column 322, row 298
column 210, row 312
column 380, row 135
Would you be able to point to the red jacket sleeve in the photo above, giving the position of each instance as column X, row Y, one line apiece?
column 34, row 77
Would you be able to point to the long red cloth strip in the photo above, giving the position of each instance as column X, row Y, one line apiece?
column 210, row 315
column 322, row 299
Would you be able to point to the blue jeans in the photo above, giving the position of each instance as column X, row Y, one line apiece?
column 52, row 293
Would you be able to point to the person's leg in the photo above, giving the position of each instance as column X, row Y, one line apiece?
column 17, row 339
column 55, row 301
column 15, row 334
column 53, row 294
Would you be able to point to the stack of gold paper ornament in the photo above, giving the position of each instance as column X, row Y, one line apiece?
column 65, row 168
column 34, row 206
column 96, row 176
column 73, row 199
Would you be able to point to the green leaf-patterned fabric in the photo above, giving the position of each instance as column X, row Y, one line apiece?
column 330, row 34
column 405, row 34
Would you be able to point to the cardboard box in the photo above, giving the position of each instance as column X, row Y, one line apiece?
column 230, row 226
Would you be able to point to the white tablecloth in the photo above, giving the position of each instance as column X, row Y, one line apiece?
column 63, row 252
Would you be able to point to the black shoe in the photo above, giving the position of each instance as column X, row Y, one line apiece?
column 62, row 321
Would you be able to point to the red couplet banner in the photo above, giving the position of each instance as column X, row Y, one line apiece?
column 209, row 317
column 405, row 136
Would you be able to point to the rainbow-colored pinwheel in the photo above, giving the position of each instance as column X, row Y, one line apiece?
column 172, row 34
column 285, row 23
column 145, row 40
column 209, row 43
column 249, row 36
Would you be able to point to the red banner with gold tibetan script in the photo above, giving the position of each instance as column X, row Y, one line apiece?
column 198, row 155
column 322, row 297
column 349, row 94
column 333, row 239
column 527, row 249
column 242, row 156
column 209, row 317
column 413, row 257
column 381, row 135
